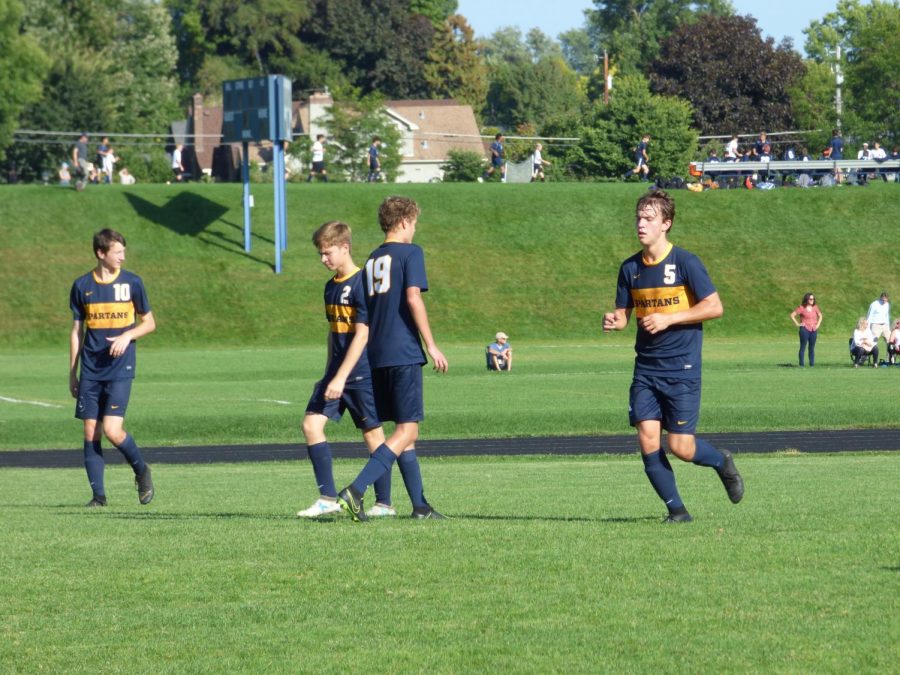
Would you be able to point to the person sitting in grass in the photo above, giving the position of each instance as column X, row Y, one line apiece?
column 500, row 353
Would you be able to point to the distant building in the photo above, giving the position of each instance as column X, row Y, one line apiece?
column 428, row 131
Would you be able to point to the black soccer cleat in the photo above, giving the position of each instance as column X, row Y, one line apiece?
column 683, row 517
column 427, row 513
column 144, row 484
column 731, row 479
column 352, row 503
column 96, row 500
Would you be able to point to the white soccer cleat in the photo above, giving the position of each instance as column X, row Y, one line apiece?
column 381, row 511
column 322, row 507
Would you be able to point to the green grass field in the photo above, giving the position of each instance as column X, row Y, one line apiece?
column 236, row 396
column 547, row 565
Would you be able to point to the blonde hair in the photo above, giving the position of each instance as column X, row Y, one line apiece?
column 332, row 233
column 859, row 324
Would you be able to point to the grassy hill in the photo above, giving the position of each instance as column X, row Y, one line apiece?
column 538, row 261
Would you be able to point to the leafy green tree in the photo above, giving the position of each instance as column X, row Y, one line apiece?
column 632, row 30
column 867, row 34
column 463, row 166
column 607, row 142
column 22, row 67
column 454, row 68
column 812, row 100
column 437, row 11
column 579, row 52
column 380, row 45
column 530, row 81
column 736, row 80
column 352, row 124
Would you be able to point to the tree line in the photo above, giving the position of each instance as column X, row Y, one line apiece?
column 680, row 70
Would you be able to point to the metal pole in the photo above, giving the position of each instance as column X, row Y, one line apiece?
column 605, row 77
column 245, row 177
column 839, row 80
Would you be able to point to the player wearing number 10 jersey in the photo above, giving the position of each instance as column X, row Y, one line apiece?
column 106, row 303
column 395, row 281
column 670, row 292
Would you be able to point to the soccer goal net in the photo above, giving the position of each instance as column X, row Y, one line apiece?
column 519, row 172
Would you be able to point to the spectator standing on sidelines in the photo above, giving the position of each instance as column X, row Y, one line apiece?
column 177, row 165
column 879, row 317
column 732, row 153
column 395, row 281
column 318, row 160
column 641, row 160
column 810, row 319
column 670, row 291
column 374, row 161
column 80, row 158
column 105, row 304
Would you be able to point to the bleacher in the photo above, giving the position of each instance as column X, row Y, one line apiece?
column 794, row 167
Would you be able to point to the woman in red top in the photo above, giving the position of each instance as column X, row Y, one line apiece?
column 810, row 318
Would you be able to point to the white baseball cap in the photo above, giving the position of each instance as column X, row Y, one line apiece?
column 501, row 335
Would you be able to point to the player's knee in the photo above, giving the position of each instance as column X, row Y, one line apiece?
column 114, row 432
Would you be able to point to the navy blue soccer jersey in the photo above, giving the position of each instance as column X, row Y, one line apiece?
column 107, row 310
column 497, row 152
column 640, row 149
column 393, row 336
column 345, row 308
column 673, row 284
column 373, row 156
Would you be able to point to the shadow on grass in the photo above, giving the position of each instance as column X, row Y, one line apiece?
column 562, row 519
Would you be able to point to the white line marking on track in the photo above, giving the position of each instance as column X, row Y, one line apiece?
column 37, row 403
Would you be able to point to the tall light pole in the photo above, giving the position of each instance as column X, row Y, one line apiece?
column 839, row 80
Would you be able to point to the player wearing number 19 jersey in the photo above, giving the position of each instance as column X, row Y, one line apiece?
column 671, row 294
column 106, row 304
column 395, row 281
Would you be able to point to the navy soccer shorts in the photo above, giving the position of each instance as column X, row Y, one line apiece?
column 102, row 398
column 358, row 400
column 398, row 393
column 674, row 401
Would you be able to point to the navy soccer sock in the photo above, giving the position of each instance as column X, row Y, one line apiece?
column 662, row 478
column 707, row 455
column 383, row 488
column 380, row 462
column 94, row 465
column 412, row 478
column 320, row 456
column 132, row 455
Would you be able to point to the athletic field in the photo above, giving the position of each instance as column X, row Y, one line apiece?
column 550, row 561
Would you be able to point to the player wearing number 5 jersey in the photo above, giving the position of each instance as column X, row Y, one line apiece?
column 106, row 304
column 395, row 281
column 671, row 294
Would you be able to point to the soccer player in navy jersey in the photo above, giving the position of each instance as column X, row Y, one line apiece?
column 105, row 304
column 670, row 292
column 347, row 382
column 498, row 159
column 641, row 160
column 395, row 281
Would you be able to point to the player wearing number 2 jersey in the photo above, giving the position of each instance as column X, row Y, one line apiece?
column 105, row 305
column 395, row 281
column 670, row 292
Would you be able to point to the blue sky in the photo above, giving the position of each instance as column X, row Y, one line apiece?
column 777, row 18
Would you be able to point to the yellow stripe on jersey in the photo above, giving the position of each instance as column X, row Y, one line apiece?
column 665, row 300
column 109, row 315
column 341, row 318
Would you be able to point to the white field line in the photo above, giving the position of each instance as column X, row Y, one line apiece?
column 41, row 404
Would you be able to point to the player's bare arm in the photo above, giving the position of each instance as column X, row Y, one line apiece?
column 616, row 320
column 75, row 341
column 709, row 307
column 120, row 343
column 335, row 387
column 420, row 316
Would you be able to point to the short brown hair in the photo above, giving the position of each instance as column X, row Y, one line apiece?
column 106, row 238
column 394, row 210
column 660, row 201
column 332, row 233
